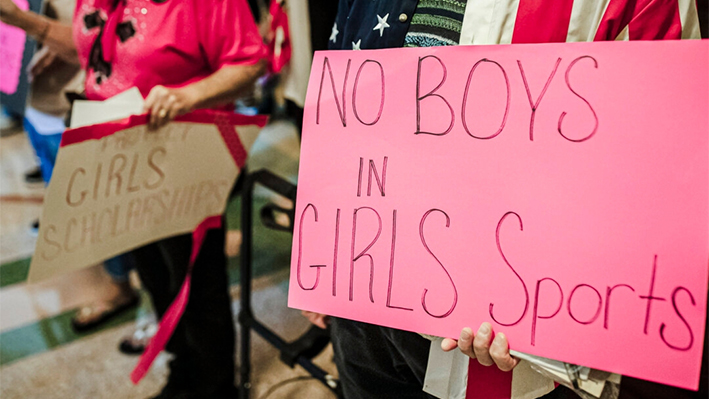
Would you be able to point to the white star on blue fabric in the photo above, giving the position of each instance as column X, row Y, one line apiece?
column 382, row 24
column 333, row 35
column 355, row 46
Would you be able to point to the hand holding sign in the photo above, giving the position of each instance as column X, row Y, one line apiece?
column 165, row 104
column 558, row 191
column 484, row 347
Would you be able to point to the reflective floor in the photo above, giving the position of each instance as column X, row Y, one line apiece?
column 42, row 357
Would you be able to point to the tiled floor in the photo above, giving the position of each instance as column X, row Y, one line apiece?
column 87, row 369
column 40, row 357
column 19, row 203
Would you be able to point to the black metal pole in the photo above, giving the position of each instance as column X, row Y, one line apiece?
column 246, row 318
column 245, row 313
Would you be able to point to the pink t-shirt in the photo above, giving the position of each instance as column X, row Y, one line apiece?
column 161, row 42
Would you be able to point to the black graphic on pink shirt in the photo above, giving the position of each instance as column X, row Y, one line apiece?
column 102, row 68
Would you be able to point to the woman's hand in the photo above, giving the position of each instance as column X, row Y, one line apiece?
column 483, row 347
column 165, row 104
column 42, row 60
column 318, row 319
column 9, row 12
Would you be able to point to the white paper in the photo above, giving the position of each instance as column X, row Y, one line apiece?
column 130, row 95
column 446, row 373
column 556, row 368
column 123, row 105
column 528, row 383
column 43, row 123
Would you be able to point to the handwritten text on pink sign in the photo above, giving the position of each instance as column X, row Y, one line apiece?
column 558, row 191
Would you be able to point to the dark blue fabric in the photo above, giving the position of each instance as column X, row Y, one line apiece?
column 118, row 267
column 356, row 20
column 45, row 146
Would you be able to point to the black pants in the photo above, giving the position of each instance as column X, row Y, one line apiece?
column 203, row 342
column 380, row 363
column 377, row 362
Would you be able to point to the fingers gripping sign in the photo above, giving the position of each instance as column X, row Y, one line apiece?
column 165, row 104
column 317, row 319
column 486, row 346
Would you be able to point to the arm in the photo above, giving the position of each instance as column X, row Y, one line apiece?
column 221, row 87
column 232, row 49
column 225, row 85
column 55, row 35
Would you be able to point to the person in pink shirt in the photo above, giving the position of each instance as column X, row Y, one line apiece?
column 181, row 55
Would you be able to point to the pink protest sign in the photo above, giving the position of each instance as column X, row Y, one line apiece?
column 559, row 191
column 12, row 47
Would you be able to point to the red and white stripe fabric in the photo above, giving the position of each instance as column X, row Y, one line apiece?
column 539, row 21
column 544, row 21
column 279, row 53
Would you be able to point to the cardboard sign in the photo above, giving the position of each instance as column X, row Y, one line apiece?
column 117, row 186
column 559, row 191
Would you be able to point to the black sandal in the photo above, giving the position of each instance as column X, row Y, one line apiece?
column 99, row 313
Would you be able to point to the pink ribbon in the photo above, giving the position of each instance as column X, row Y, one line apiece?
column 177, row 308
column 108, row 40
